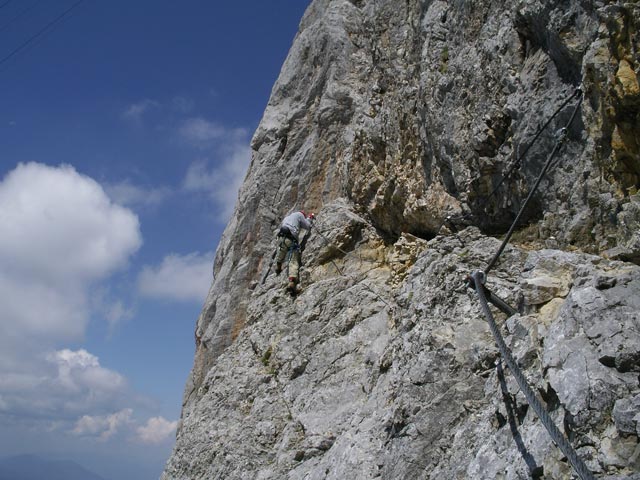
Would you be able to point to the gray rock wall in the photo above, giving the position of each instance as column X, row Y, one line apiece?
column 388, row 117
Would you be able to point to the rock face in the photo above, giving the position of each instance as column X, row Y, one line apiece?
column 387, row 118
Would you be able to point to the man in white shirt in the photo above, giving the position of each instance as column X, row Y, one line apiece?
column 289, row 244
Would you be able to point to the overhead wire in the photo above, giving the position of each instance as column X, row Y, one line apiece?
column 40, row 33
column 20, row 15
column 5, row 3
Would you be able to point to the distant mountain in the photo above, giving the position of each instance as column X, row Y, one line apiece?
column 32, row 467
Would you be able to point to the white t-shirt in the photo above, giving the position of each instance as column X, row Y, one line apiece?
column 294, row 222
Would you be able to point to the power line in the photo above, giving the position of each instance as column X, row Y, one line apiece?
column 5, row 3
column 19, row 15
column 40, row 33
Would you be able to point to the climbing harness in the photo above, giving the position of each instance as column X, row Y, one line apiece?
column 478, row 279
column 285, row 233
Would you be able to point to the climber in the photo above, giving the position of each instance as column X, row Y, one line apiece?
column 289, row 244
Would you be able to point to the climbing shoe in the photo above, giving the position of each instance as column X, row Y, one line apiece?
column 292, row 284
column 278, row 268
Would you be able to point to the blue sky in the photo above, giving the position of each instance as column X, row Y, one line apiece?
column 124, row 134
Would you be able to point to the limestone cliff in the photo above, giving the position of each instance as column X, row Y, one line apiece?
column 388, row 117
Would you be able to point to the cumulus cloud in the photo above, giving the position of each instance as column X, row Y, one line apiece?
column 178, row 277
column 79, row 372
column 71, row 392
column 61, row 385
column 156, row 430
column 103, row 427
column 61, row 237
column 60, row 234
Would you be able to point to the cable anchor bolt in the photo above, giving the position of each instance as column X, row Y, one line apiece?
column 478, row 275
column 561, row 134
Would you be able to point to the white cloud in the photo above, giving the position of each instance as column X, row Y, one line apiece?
column 201, row 132
column 61, row 385
column 61, row 237
column 113, row 310
column 70, row 392
column 222, row 178
column 60, row 234
column 136, row 111
column 58, row 222
column 178, row 277
column 126, row 193
column 156, row 430
column 104, row 426
column 220, row 182
column 79, row 372
column 117, row 312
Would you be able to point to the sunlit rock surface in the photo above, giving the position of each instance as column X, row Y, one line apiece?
column 387, row 118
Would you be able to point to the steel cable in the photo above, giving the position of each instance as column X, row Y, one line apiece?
column 556, row 435
column 479, row 278
column 520, row 157
column 556, row 147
